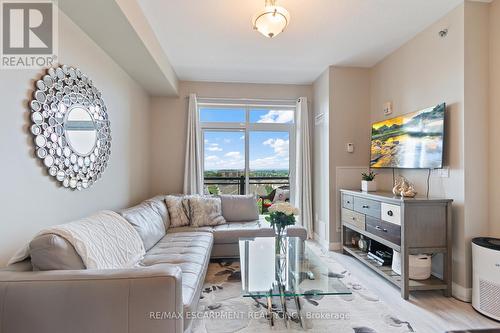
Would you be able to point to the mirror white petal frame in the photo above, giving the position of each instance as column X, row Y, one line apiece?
column 70, row 126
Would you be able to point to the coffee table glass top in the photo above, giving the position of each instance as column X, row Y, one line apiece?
column 297, row 271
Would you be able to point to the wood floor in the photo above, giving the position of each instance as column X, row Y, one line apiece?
column 428, row 311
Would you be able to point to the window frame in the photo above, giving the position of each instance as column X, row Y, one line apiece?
column 248, row 127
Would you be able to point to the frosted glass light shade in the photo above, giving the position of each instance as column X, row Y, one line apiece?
column 272, row 20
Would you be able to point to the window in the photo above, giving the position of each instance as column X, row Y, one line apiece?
column 224, row 161
column 221, row 114
column 247, row 148
column 269, row 161
column 271, row 116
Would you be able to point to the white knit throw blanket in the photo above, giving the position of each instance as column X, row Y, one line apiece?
column 104, row 240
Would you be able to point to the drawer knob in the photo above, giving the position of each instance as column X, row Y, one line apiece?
column 380, row 228
column 366, row 206
column 390, row 213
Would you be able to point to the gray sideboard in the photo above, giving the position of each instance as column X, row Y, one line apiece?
column 407, row 225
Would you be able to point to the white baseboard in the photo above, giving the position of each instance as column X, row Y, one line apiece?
column 461, row 293
column 335, row 246
column 323, row 243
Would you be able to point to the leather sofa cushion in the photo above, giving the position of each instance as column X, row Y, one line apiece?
column 226, row 244
column 190, row 229
column 160, row 206
column 296, row 231
column 191, row 252
column 176, row 248
column 231, row 232
column 147, row 222
column 239, row 208
column 52, row 252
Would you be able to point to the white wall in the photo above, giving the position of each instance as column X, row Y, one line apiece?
column 429, row 70
column 476, row 140
column 342, row 94
column 30, row 200
column 426, row 71
column 349, row 123
column 494, row 119
column 321, row 171
column 169, row 119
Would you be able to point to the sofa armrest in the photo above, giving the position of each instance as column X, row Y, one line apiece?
column 136, row 300
column 296, row 231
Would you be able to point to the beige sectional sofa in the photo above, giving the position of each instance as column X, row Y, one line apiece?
column 54, row 292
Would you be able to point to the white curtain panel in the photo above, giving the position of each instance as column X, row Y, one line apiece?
column 302, row 189
column 193, row 172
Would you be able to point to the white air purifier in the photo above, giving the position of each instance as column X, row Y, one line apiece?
column 486, row 276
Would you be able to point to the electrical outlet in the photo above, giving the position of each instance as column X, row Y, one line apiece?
column 442, row 173
column 445, row 173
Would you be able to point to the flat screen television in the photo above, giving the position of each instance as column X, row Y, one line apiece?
column 411, row 141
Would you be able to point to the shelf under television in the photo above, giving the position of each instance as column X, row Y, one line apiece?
column 372, row 236
column 414, row 250
column 393, row 277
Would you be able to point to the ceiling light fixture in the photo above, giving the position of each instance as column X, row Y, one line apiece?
column 271, row 20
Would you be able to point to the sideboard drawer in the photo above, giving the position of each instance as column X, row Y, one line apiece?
column 367, row 206
column 385, row 230
column 391, row 213
column 351, row 217
column 348, row 201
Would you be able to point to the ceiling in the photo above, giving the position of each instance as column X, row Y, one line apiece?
column 137, row 41
column 213, row 40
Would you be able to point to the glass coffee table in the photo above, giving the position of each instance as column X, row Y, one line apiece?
column 296, row 271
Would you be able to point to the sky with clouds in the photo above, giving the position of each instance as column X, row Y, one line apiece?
column 226, row 149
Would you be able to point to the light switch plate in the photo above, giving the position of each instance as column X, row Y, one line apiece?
column 387, row 108
column 445, row 173
column 442, row 173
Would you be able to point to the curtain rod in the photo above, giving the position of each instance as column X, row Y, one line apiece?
column 246, row 99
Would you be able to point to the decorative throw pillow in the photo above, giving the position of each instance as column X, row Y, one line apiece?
column 205, row 211
column 178, row 210
column 281, row 195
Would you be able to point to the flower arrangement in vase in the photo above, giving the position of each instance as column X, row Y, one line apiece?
column 281, row 215
column 368, row 182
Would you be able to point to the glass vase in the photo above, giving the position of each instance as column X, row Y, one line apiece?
column 280, row 243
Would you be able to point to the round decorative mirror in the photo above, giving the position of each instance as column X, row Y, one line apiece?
column 70, row 126
column 80, row 130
